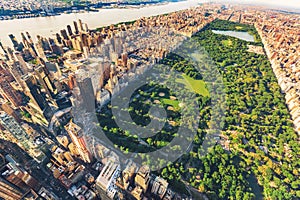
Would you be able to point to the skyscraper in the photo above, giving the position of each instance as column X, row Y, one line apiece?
column 42, row 75
column 24, row 40
column 84, row 83
column 64, row 34
column 124, row 57
column 10, row 94
column 77, row 137
column 9, row 191
column 54, row 47
column 76, row 27
column 3, row 49
column 84, row 39
column 29, row 38
column 16, row 44
column 58, row 38
column 6, row 90
column 69, row 30
column 34, row 92
column 80, row 25
column 18, row 176
column 38, row 99
column 43, row 43
column 22, row 62
column 117, row 44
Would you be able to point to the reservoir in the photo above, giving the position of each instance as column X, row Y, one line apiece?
column 237, row 34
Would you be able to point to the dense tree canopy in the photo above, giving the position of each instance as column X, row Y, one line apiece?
column 262, row 142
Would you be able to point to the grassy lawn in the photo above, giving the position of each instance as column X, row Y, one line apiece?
column 227, row 42
column 238, row 28
column 171, row 102
column 197, row 86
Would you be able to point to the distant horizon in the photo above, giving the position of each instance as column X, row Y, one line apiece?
column 293, row 5
column 46, row 26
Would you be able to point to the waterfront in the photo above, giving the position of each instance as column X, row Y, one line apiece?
column 47, row 26
column 50, row 89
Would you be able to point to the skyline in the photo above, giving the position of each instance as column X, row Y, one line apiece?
column 288, row 3
column 40, row 25
column 170, row 104
column 285, row 4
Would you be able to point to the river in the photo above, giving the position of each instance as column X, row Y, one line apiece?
column 48, row 26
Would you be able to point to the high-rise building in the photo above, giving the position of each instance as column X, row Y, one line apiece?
column 34, row 92
column 87, row 96
column 64, row 34
column 107, row 178
column 128, row 173
column 76, row 27
column 11, row 95
column 11, row 125
column 10, row 111
column 124, row 57
column 42, row 75
column 22, row 62
column 8, row 191
column 15, row 71
column 29, row 44
column 58, row 38
column 4, row 69
column 142, row 178
column 84, row 39
column 29, row 38
column 117, row 44
column 86, row 28
column 105, row 68
column 80, row 25
column 76, row 44
column 22, row 138
column 43, row 42
column 54, row 47
column 6, row 90
column 17, row 176
column 71, row 81
column 76, row 134
column 3, row 49
column 10, row 54
column 159, row 187
column 69, row 30
column 38, row 100
column 17, row 46
column 40, row 51
column 24, row 40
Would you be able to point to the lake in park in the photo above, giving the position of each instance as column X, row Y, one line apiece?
column 237, row 34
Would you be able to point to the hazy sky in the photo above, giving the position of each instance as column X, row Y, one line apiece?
column 278, row 3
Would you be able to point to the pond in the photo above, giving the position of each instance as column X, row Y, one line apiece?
column 237, row 34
